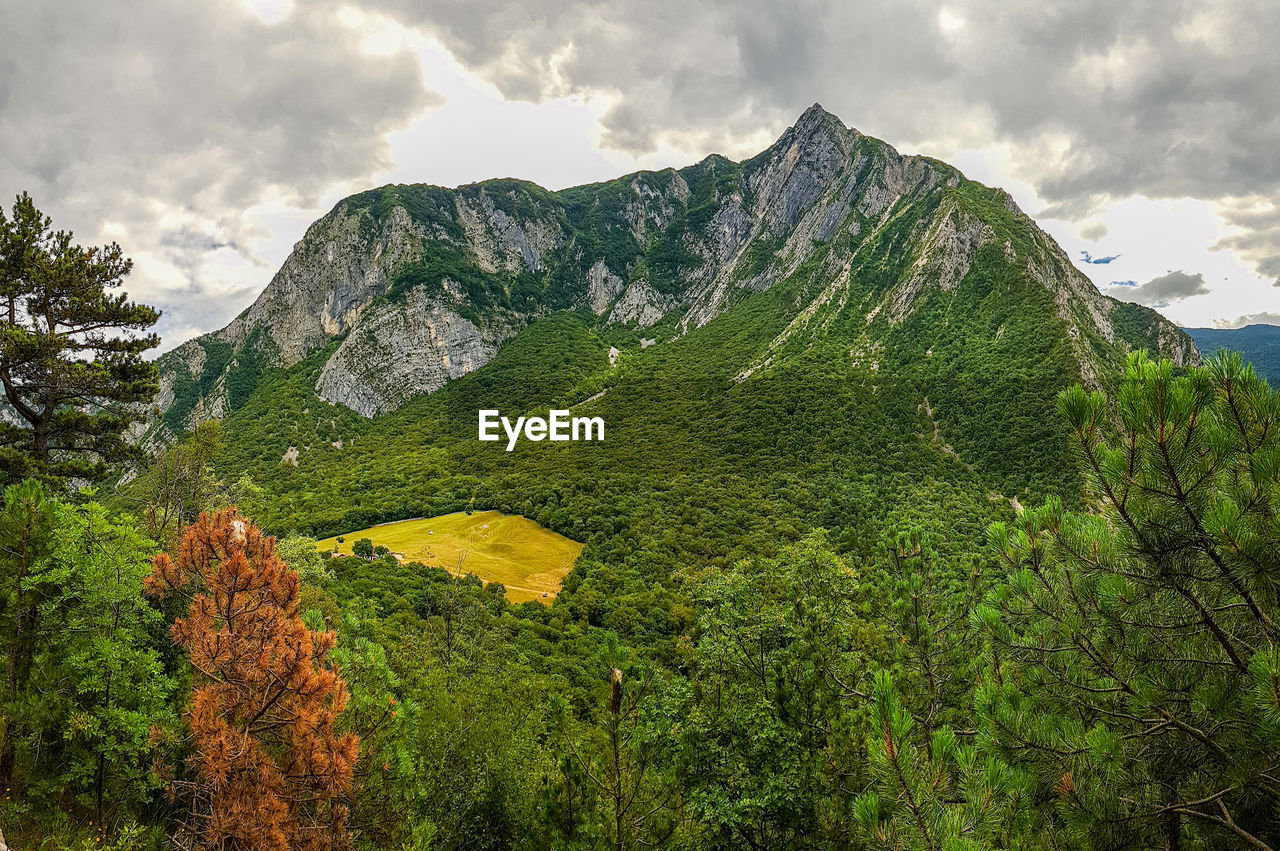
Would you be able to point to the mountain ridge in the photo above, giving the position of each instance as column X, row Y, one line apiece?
column 1258, row 343
column 423, row 285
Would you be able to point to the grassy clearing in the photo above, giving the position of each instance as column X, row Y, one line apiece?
column 529, row 560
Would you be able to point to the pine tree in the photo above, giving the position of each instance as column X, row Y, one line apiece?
column 71, row 361
column 390, row 789
column 1133, row 651
column 925, row 608
column 271, row 769
column 624, row 760
column 932, row 791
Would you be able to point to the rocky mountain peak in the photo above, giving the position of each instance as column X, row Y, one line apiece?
column 815, row 120
column 414, row 286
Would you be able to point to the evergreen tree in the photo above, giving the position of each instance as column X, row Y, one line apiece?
column 71, row 361
column 924, row 606
column 625, row 758
column 932, row 792
column 773, row 756
column 271, row 769
column 1133, row 651
column 384, row 812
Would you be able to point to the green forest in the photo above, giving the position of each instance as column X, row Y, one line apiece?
column 954, row 600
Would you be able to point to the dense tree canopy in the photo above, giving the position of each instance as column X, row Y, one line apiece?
column 1134, row 661
column 85, row 681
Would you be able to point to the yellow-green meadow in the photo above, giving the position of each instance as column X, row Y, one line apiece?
column 529, row 560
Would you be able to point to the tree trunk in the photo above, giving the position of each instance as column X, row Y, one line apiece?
column 615, row 708
column 6, row 756
column 15, row 680
column 40, row 441
column 1170, row 822
column 1171, row 829
column 101, row 774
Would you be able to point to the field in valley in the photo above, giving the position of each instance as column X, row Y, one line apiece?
column 529, row 560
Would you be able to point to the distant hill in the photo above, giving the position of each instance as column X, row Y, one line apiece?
column 1259, row 344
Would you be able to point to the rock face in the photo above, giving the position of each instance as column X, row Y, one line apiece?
column 333, row 274
column 640, row 305
column 408, row 287
column 403, row 350
column 602, row 287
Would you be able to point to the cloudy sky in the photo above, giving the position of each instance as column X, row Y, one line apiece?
column 204, row 135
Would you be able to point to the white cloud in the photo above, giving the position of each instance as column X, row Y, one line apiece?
column 205, row 136
column 163, row 124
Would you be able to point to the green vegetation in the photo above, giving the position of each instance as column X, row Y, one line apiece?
column 1136, row 648
column 71, row 353
column 86, row 679
column 757, row 257
column 1084, row 680
column 990, row 205
column 246, row 370
column 187, row 391
column 1258, row 344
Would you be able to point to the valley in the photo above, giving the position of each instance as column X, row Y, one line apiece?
column 876, row 554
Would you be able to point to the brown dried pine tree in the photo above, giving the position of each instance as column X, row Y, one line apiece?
column 270, row 770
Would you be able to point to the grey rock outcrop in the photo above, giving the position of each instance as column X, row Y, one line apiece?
column 414, row 286
column 640, row 305
column 331, row 276
column 404, row 350
column 502, row 243
column 602, row 287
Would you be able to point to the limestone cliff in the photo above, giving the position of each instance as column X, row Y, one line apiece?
column 408, row 287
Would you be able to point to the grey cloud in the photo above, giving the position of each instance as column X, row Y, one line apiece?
column 1161, row 291
column 1264, row 318
column 1259, row 239
column 198, row 308
column 169, row 118
column 1100, row 100
column 106, row 108
column 1094, row 231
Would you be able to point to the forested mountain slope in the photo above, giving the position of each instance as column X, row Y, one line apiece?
column 1259, row 344
column 827, row 335
column 424, row 284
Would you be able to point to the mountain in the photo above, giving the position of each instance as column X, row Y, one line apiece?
column 423, row 285
column 828, row 335
column 1258, row 344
